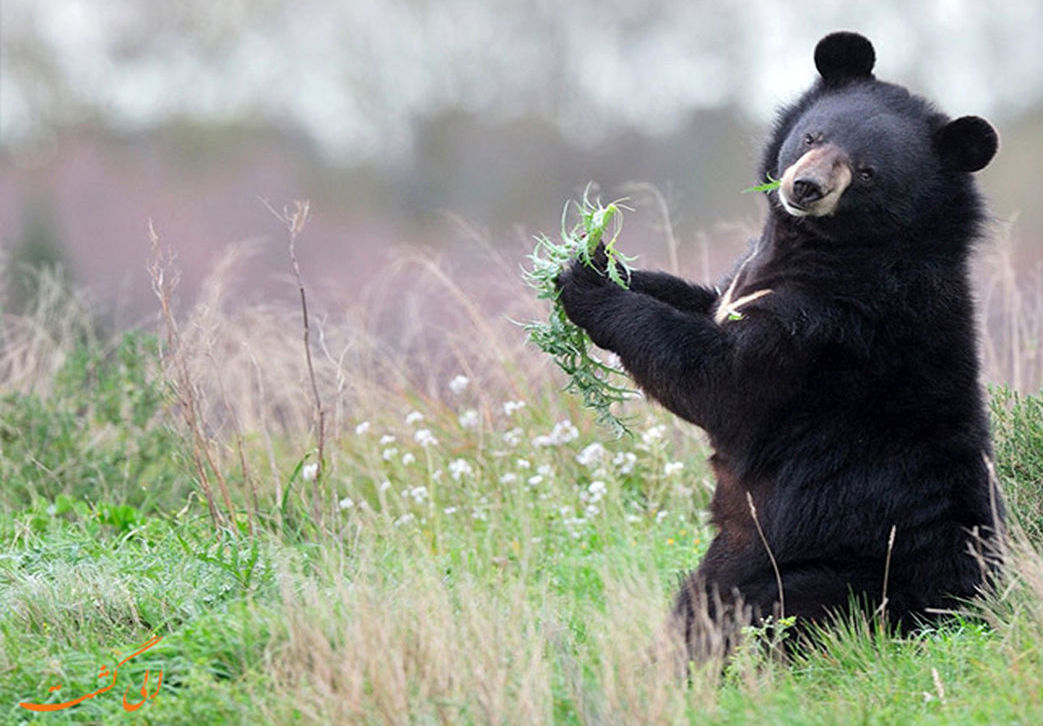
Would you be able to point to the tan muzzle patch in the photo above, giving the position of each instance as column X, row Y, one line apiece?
column 812, row 186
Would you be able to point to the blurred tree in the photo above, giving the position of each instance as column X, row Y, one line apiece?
column 357, row 77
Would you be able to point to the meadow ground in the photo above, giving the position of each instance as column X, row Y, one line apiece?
column 471, row 548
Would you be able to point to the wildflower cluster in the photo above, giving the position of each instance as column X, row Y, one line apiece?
column 479, row 465
column 562, row 433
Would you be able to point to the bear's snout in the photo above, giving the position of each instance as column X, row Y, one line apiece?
column 812, row 186
column 806, row 190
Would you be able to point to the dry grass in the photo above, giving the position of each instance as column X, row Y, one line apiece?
column 489, row 598
column 241, row 377
column 1011, row 310
column 427, row 648
column 35, row 344
column 413, row 327
column 415, row 651
column 355, row 643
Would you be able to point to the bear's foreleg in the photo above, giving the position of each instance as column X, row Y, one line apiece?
column 674, row 291
column 682, row 359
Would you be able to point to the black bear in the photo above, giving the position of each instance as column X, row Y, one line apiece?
column 836, row 370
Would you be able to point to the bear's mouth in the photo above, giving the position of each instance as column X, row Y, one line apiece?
column 812, row 186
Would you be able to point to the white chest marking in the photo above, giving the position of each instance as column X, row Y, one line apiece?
column 729, row 309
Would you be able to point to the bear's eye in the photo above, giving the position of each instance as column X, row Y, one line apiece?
column 866, row 174
column 810, row 139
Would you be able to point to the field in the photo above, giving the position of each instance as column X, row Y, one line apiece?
column 428, row 531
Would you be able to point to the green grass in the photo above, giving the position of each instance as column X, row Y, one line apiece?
column 503, row 567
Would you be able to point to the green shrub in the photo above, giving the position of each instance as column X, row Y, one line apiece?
column 97, row 434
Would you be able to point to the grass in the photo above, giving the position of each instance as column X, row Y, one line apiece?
column 475, row 548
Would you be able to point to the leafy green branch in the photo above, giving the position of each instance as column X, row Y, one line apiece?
column 568, row 344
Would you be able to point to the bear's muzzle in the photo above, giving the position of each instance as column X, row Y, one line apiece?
column 813, row 185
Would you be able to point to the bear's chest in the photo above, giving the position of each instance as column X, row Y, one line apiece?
column 748, row 285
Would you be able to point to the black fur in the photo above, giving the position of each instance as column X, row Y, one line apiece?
column 846, row 402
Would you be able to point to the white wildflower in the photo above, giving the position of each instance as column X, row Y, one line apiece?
column 449, row 510
column 591, row 511
column 408, row 458
column 596, row 491
column 404, row 519
column 419, row 494
column 633, row 518
column 459, row 468
column 523, row 464
column 653, row 435
column 384, row 486
column 544, row 469
column 660, row 516
column 389, row 453
column 509, row 478
column 414, row 417
column 469, row 419
column 425, row 438
column 535, row 480
column 625, row 461
column 673, row 467
column 562, row 433
column 513, row 437
column 573, row 524
column 478, row 514
column 459, row 384
column 309, row 472
column 592, row 455
column 387, row 439
column 512, row 407
column 362, row 428
column 345, row 503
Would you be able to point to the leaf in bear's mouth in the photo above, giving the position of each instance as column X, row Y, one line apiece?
column 767, row 186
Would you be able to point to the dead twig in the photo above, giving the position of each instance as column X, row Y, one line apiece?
column 882, row 610
column 771, row 556
column 165, row 277
column 294, row 220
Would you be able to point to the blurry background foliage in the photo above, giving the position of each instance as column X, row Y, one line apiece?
column 442, row 125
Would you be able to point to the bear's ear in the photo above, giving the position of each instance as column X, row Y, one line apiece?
column 967, row 143
column 843, row 56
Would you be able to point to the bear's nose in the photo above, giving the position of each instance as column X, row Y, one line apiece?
column 806, row 191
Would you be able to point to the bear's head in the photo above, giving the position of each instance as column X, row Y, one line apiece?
column 860, row 159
